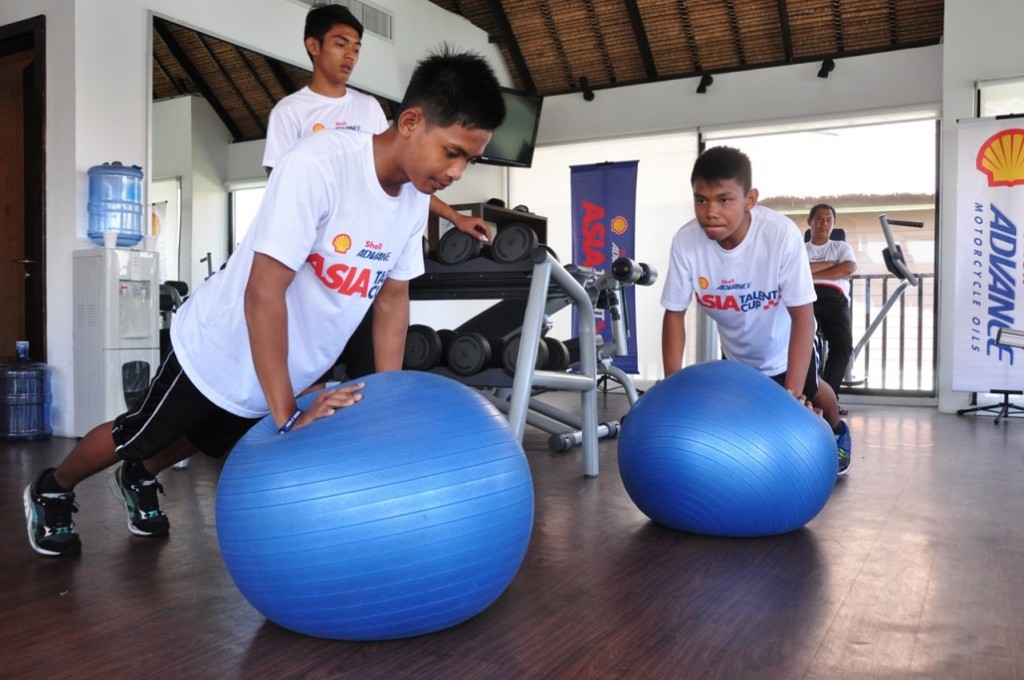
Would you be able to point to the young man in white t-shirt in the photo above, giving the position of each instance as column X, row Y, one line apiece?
column 339, row 229
column 333, row 39
column 832, row 265
column 745, row 265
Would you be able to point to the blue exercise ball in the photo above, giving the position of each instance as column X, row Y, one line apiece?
column 404, row 514
column 722, row 450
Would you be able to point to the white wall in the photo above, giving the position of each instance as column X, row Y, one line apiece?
column 209, row 224
column 903, row 79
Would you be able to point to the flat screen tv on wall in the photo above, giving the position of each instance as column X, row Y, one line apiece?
column 513, row 142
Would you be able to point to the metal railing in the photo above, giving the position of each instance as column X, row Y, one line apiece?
column 899, row 358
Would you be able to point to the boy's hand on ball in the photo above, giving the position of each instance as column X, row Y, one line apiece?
column 329, row 401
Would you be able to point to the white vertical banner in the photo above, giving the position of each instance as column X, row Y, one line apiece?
column 989, row 254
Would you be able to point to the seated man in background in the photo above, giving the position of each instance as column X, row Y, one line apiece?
column 832, row 265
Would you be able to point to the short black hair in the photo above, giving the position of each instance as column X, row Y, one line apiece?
column 722, row 163
column 810, row 215
column 455, row 88
column 322, row 19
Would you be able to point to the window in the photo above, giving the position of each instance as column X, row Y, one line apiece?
column 245, row 203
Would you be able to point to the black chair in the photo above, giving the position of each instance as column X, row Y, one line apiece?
column 1005, row 337
column 837, row 234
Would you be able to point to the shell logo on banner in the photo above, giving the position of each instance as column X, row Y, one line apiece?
column 1001, row 158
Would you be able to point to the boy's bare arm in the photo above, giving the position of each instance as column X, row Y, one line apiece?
column 390, row 325
column 266, row 316
column 801, row 343
column 673, row 341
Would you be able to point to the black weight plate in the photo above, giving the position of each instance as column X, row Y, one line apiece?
column 422, row 348
column 514, row 242
column 510, row 357
column 469, row 354
column 457, row 246
column 558, row 355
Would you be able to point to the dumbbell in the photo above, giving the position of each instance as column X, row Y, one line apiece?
column 425, row 348
column 470, row 353
column 559, row 358
column 456, row 247
column 514, row 241
column 511, row 355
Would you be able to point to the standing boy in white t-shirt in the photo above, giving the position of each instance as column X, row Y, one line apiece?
column 339, row 229
column 746, row 266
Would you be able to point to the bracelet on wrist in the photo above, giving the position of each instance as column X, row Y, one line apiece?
column 288, row 424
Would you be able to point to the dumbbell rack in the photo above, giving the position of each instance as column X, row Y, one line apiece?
column 547, row 287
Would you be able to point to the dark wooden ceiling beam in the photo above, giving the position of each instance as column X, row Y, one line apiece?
column 691, row 38
column 231, row 83
column 166, row 74
column 837, row 24
column 508, row 38
column 281, row 76
column 643, row 45
column 599, row 40
column 894, row 27
column 244, row 54
column 737, row 39
column 189, row 68
column 787, row 37
column 553, row 35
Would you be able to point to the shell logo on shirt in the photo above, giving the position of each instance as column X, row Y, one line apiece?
column 703, row 283
column 318, row 127
column 619, row 225
column 342, row 243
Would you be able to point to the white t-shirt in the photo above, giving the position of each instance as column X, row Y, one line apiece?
column 832, row 252
column 305, row 112
column 746, row 290
column 326, row 217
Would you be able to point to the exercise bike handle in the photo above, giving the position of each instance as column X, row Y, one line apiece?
column 905, row 223
column 895, row 253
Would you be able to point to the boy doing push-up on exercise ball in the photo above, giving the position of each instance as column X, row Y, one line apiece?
column 256, row 334
column 736, row 249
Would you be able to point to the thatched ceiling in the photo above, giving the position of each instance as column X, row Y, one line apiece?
column 549, row 45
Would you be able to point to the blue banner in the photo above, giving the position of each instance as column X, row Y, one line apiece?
column 603, row 219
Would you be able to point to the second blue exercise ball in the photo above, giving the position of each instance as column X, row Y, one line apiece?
column 722, row 450
column 403, row 514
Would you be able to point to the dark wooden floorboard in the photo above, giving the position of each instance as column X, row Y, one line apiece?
column 912, row 570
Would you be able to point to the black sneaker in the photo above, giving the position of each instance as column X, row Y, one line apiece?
column 144, row 515
column 50, row 528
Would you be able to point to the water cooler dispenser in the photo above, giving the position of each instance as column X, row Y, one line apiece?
column 116, row 331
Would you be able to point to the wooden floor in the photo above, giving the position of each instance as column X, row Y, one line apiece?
column 914, row 569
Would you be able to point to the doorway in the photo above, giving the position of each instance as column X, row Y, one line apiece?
column 22, row 187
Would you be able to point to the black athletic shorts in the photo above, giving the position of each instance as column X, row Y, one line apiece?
column 174, row 408
column 810, row 382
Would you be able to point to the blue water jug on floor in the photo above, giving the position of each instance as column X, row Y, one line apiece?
column 25, row 398
column 115, row 203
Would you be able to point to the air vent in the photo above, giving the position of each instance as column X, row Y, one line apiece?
column 376, row 20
